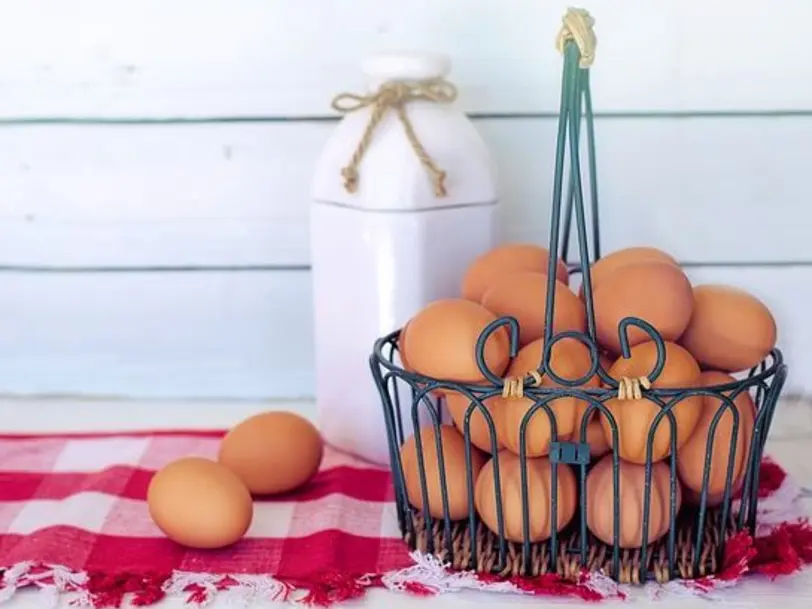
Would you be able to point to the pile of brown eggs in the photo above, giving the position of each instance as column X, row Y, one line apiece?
column 710, row 331
column 206, row 503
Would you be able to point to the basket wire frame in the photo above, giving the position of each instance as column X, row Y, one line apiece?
column 765, row 381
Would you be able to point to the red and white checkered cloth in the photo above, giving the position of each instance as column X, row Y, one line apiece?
column 74, row 521
column 78, row 503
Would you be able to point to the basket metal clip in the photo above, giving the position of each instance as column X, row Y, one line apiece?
column 573, row 453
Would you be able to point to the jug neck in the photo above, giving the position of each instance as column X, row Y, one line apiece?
column 406, row 66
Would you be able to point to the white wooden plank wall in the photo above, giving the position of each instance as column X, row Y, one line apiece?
column 155, row 162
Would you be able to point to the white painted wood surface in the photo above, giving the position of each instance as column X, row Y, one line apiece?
column 283, row 58
column 217, row 112
column 235, row 334
column 705, row 189
column 205, row 334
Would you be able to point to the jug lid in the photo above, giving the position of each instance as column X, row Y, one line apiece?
column 404, row 66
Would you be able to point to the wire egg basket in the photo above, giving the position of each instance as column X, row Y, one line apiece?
column 694, row 543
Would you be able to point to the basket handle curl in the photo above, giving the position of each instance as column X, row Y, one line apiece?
column 513, row 331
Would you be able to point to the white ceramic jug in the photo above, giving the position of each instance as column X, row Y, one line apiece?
column 390, row 232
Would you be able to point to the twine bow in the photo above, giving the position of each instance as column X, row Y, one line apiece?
column 577, row 27
column 395, row 95
column 630, row 388
column 513, row 387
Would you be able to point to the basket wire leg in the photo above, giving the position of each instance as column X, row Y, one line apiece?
column 762, row 427
column 584, row 96
column 396, row 467
column 728, row 491
column 569, row 125
column 558, row 179
column 575, row 89
column 593, row 166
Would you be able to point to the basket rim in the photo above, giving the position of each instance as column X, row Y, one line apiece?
column 769, row 366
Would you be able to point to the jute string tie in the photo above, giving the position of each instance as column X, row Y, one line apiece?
column 513, row 387
column 577, row 27
column 630, row 388
column 395, row 95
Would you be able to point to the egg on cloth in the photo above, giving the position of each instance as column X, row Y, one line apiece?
column 199, row 503
column 635, row 418
column 730, row 329
column 272, row 452
column 539, row 496
column 456, row 478
column 569, row 359
column 442, row 341
column 691, row 456
column 656, row 292
column 502, row 259
column 600, row 496
column 523, row 295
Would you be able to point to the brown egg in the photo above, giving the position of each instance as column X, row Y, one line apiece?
column 630, row 255
column 691, row 456
column 634, row 418
column 503, row 259
column 539, row 497
column 523, row 295
column 656, row 292
column 570, row 360
column 457, row 405
column 199, row 503
column 456, row 478
column 443, row 337
column 730, row 329
column 606, row 361
column 272, row 452
column 632, row 478
column 402, row 348
column 598, row 445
